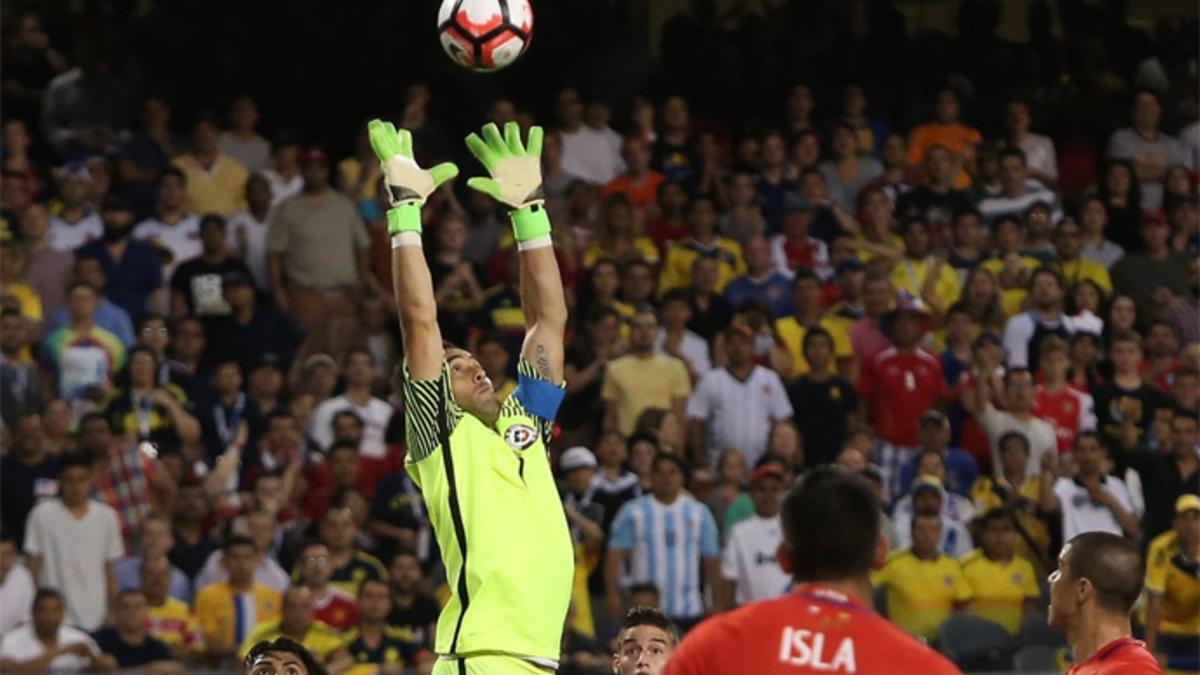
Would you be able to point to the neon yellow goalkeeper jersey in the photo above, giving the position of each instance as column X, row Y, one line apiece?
column 497, row 516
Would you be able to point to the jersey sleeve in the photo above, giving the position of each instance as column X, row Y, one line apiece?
column 422, row 401
column 698, row 405
column 622, row 529
column 710, row 546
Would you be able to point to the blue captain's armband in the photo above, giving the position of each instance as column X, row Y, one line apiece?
column 538, row 396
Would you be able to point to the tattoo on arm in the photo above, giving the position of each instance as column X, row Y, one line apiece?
column 541, row 361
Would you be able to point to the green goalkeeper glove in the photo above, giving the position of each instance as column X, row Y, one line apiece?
column 516, row 177
column 408, row 184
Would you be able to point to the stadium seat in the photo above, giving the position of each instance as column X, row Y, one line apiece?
column 1035, row 632
column 1036, row 659
column 976, row 644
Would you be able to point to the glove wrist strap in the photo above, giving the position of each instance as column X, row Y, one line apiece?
column 404, row 217
column 530, row 222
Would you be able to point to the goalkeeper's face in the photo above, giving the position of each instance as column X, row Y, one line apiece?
column 472, row 387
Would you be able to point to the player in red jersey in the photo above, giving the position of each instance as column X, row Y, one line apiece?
column 1068, row 410
column 831, row 532
column 1098, row 579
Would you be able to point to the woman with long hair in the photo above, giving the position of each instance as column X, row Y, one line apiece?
column 142, row 410
column 731, row 481
column 981, row 300
column 1122, row 194
column 1093, row 220
column 847, row 172
column 1085, row 305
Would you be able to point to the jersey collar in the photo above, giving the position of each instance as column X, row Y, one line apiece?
column 829, row 596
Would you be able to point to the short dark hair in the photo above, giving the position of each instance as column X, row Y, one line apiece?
column 290, row 646
column 348, row 412
column 645, row 587
column 43, row 593
column 1046, row 270
column 237, row 540
column 804, row 274
column 1112, row 564
column 210, row 218
column 998, row 513
column 76, row 460
column 678, row 461
column 811, row 334
column 1010, row 435
column 404, row 551
column 171, row 171
column 648, row 616
column 831, row 525
column 677, row 295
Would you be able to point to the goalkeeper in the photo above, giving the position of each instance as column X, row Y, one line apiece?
column 482, row 465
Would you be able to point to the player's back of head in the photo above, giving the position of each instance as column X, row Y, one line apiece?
column 831, row 526
column 1113, row 566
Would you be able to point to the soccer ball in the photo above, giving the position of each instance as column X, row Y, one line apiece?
column 485, row 35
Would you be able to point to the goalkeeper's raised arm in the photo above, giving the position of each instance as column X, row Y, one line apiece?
column 516, row 181
column 409, row 186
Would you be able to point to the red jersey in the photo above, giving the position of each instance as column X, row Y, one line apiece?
column 1069, row 411
column 337, row 609
column 899, row 387
column 811, row 630
column 1123, row 656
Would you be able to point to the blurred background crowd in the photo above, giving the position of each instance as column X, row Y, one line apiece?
column 791, row 234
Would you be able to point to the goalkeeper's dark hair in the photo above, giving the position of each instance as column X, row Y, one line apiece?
column 831, row 524
column 290, row 646
column 648, row 616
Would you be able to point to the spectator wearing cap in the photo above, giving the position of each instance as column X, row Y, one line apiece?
column 669, row 539
column 172, row 227
column 586, row 517
column 243, row 142
column 76, row 223
column 959, row 468
column 643, row 378
column 133, row 269
column 928, row 496
column 737, row 405
column 703, row 242
column 1149, row 149
column 1140, row 274
column 197, row 284
column 318, row 255
column 749, row 562
column 252, row 328
column 807, row 313
column 763, row 283
column 897, row 386
column 921, row 274
column 1172, row 589
column 823, row 401
column 215, row 181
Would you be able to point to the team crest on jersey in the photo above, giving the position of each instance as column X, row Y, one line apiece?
column 520, row 436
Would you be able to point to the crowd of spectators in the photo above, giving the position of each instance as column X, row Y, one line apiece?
column 203, row 448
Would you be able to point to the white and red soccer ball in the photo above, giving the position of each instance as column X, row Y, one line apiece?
column 485, row 35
